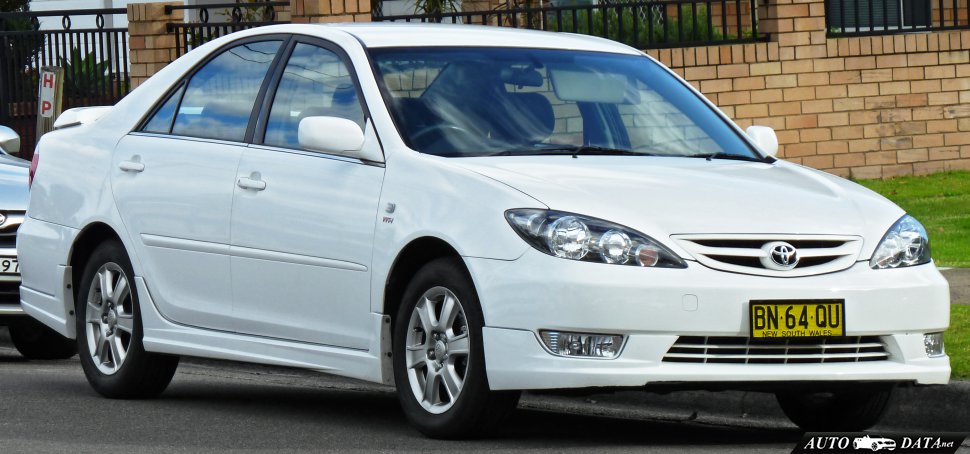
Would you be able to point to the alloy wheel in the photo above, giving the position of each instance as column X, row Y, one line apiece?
column 109, row 318
column 437, row 350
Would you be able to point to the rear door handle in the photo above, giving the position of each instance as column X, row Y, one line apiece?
column 131, row 166
column 251, row 183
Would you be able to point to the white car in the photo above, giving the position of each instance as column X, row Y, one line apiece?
column 874, row 444
column 468, row 212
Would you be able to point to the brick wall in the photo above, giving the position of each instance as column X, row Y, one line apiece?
column 151, row 47
column 318, row 11
column 865, row 107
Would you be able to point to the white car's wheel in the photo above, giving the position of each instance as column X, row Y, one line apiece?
column 109, row 330
column 846, row 410
column 439, row 363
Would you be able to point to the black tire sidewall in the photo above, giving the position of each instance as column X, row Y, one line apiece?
column 847, row 410
column 461, row 419
column 121, row 383
column 35, row 340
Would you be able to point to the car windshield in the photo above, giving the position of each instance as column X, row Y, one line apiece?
column 460, row 102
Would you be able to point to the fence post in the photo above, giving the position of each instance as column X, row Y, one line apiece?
column 152, row 47
column 314, row 11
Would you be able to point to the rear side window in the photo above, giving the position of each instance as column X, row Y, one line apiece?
column 219, row 98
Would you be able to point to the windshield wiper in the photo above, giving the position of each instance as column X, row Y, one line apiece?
column 731, row 156
column 573, row 150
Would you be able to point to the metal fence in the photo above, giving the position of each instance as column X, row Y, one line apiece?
column 94, row 58
column 886, row 17
column 644, row 25
column 208, row 22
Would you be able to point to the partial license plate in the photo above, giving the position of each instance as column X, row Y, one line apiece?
column 9, row 265
column 797, row 318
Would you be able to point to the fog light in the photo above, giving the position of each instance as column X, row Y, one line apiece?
column 582, row 345
column 934, row 344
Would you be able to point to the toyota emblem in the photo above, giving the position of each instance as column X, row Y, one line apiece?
column 779, row 256
column 2, row 219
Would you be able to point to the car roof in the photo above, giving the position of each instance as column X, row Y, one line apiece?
column 387, row 34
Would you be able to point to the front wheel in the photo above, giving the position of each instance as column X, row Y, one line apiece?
column 109, row 330
column 439, row 360
column 847, row 410
column 36, row 341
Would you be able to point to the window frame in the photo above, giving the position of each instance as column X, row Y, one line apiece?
column 262, row 121
column 186, row 78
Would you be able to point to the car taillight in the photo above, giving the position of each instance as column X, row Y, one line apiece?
column 33, row 167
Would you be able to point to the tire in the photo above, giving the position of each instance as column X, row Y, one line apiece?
column 109, row 331
column 458, row 403
column 848, row 410
column 34, row 340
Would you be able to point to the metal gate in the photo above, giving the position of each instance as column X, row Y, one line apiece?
column 93, row 53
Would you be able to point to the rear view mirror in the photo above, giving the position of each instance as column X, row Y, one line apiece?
column 765, row 138
column 340, row 136
column 333, row 135
column 9, row 141
column 591, row 86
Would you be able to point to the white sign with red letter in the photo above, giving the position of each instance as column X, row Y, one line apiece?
column 48, row 80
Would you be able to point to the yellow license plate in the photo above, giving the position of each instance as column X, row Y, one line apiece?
column 785, row 319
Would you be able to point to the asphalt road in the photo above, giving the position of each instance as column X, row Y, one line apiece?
column 221, row 407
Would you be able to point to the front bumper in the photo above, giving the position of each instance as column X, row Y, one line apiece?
column 9, row 289
column 654, row 307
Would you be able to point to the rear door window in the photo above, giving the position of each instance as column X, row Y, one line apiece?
column 219, row 99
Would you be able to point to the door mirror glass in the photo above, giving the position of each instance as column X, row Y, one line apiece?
column 765, row 138
column 9, row 141
column 333, row 135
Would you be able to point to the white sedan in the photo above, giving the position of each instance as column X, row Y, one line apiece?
column 468, row 212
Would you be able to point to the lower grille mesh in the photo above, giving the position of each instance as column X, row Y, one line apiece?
column 9, row 292
column 745, row 350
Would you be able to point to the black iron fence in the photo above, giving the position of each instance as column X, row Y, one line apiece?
column 641, row 24
column 208, row 22
column 885, row 17
column 93, row 53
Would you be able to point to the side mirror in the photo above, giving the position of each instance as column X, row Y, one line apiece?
column 9, row 141
column 765, row 138
column 334, row 135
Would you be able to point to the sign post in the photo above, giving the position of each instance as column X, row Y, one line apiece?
column 51, row 93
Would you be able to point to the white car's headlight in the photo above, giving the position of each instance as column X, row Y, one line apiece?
column 905, row 244
column 577, row 237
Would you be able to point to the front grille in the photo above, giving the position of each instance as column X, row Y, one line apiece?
column 8, row 228
column 818, row 254
column 746, row 350
column 9, row 292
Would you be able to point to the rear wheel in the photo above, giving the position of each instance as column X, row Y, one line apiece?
column 34, row 340
column 109, row 330
column 848, row 410
column 439, row 360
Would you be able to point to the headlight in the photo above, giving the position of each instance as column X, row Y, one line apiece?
column 576, row 237
column 905, row 244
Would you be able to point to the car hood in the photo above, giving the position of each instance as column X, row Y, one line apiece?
column 667, row 196
column 13, row 184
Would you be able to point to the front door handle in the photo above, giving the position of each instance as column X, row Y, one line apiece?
column 131, row 166
column 251, row 183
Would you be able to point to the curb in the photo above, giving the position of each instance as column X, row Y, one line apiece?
column 941, row 408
